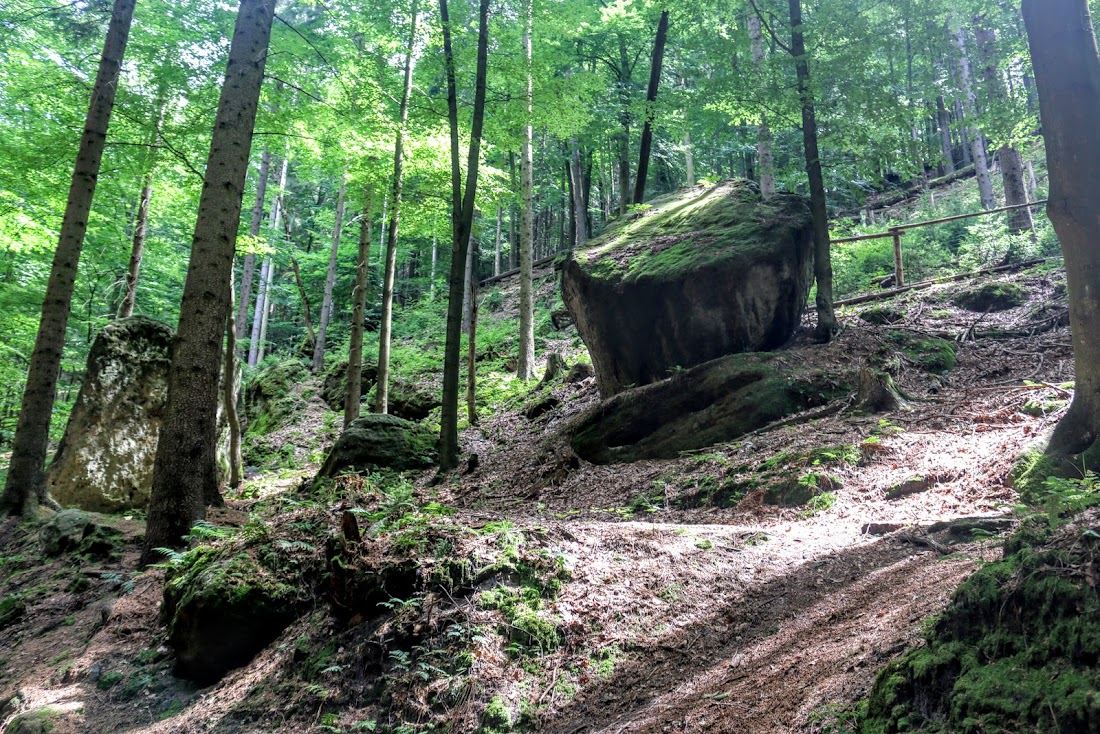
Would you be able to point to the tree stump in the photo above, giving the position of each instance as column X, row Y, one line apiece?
column 878, row 393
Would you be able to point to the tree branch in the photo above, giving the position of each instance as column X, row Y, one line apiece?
column 764, row 22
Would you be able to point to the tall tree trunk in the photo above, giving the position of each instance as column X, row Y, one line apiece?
column 330, row 282
column 689, row 158
column 1067, row 74
column 977, row 140
column 248, row 268
column 359, row 313
column 823, row 266
column 258, row 313
column 26, row 483
column 525, row 368
column 311, row 336
column 765, row 162
column 184, row 470
column 230, row 389
column 947, row 150
column 462, row 217
column 580, row 211
column 265, row 317
column 513, row 243
column 435, row 259
column 382, row 390
column 471, row 351
column 650, row 113
column 496, row 240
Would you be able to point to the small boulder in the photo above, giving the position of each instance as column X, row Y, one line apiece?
column 715, row 402
column 73, row 530
column 334, row 383
column 407, row 401
column 380, row 441
column 708, row 271
column 270, row 399
column 105, row 460
column 222, row 607
column 991, row 297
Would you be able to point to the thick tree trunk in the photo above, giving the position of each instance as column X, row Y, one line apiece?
column 359, row 312
column 977, row 140
column 1067, row 74
column 1012, row 174
column 525, row 364
column 248, row 268
column 650, row 112
column 946, row 149
column 765, row 163
column 184, row 470
column 382, row 391
column 330, row 283
column 26, row 483
column 823, row 267
column 462, row 218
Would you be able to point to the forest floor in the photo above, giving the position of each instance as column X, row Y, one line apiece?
column 691, row 604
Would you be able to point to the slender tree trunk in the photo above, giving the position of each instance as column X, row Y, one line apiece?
column 359, row 313
column 496, row 241
column 258, row 314
column 580, row 211
column 1012, row 174
column 462, row 217
column 184, row 470
column 261, row 346
column 230, row 388
column 468, row 289
column 513, row 243
column 625, row 73
column 765, row 162
column 689, row 158
column 382, row 390
column 471, row 351
column 945, row 136
column 525, row 369
column 1067, row 74
column 435, row 259
column 823, row 267
column 25, row 487
column 310, row 334
column 330, row 283
column 248, row 268
column 650, row 113
column 977, row 140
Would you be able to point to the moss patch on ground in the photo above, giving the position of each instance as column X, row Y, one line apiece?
column 991, row 297
column 928, row 353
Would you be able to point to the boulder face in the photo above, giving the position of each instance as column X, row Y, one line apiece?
column 712, row 403
column 334, row 383
column 105, row 460
column 380, row 441
column 708, row 271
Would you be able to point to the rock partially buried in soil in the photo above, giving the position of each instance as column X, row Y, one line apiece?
column 991, row 297
column 270, row 400
column 380, row 441
column 73, row 530
column 334, row 386
column 222, row 607
column 408, row 401
column 709, row 404
column 710, row 272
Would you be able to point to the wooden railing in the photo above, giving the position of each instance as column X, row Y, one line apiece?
column 897, row 231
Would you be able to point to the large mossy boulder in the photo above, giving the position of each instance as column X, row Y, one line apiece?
column 991, row 297
column 334, row 382
column 105, row 460
column 222, row 607
column 408, row 401
column 706, row 272
column 377, row 441
column 271, row 397
column 713, row 403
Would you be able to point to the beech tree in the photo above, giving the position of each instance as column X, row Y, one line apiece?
column 1067, row 75
column 25, row 487
column 184, row 470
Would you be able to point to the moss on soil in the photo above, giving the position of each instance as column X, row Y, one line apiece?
column 928, row 353
column 688, row 230
column 991, row 297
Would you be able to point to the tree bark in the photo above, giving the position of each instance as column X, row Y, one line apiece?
column 359, row 313
column 230, row 388
column 184, row 470
column 25, row 487
column 496, row 241
column 1067, row 75
column 248, row 268
column 259, row 333
column 261, row 346
column 513, row 244
column 525, row 364
column 650, row 113
column 765, row 162
column 382, row 390
column 471, row 350
column 977, row 140
column 944, row 122
column 1012, row 174
column 330, row 283
column 310, row 334
column 823, row 267
column 580, row 210
column 258, row 313
column 462, row 217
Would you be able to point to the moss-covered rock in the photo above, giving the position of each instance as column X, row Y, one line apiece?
column 75, row 531
column 380, row 441
column 928, row 353
column 270, row 399
column 408, row 401
column 881, row 315
column 1016, row 650
column 712, row 403
column 991, row 297
column 709, row 271
column 222, row 607
column 334, row 382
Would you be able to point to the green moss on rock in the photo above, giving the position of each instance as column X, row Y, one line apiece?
column 270, row 398
column 991, row 297
column 928, row 353
column 376, row 441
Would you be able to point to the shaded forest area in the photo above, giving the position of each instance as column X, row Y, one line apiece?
column 689, row 400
